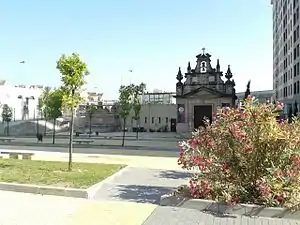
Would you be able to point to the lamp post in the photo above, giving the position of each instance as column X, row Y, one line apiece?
column 25, row 105
column 25, row 110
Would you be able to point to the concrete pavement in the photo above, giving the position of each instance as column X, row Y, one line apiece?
column 150, row 162
column 180, row 216
column 29, row 209
column 142, row 185
column 107, row 210
column 87, row 150
column 129, row 199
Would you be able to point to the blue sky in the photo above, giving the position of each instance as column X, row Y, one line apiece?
column 153, row 38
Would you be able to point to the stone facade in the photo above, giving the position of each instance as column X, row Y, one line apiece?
column 202, row 92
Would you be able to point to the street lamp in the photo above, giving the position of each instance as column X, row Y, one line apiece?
column 25, row 106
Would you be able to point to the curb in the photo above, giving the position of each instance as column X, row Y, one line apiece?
column 222, row 208
column 88, row 193
column 44, row 190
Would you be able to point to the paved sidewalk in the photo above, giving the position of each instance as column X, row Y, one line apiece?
column 141, row 185
column 29, row 209
column 129, row 199
column 169, row 163
column 180, row 216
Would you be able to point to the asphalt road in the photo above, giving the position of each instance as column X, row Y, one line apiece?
column 96, row 143
column 128, row 138
column 87, row 150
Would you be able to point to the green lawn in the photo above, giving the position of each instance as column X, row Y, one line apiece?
column 83, row 175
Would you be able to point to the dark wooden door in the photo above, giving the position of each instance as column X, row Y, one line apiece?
column 173, row 125
column 201, row 111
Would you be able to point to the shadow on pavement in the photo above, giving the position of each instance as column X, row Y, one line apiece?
column 141, row 194
column 173, row 174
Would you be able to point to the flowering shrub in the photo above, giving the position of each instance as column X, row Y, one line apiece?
column 246, row 156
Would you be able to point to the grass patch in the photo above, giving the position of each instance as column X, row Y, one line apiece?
column 82, row 176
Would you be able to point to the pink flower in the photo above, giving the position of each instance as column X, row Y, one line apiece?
column 264, row 189
column 278, row 174
column 291, row 173
column 194, row 143
column 295, row 160
column 279, row 199
column 280, row 106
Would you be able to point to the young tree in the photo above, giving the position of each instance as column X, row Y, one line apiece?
column 124, row 105
column 7, row 114
column 137, row 91
column 53, row 105
column 73, row 71
column 90, row 110
column 41, row 106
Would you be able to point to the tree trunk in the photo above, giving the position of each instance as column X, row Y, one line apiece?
column 45, row 128
column 7, row 128
column 124, row 125
column 53, row 132
column 90, row 133
column 37, row 126
column 137, row 129
column 71, row 134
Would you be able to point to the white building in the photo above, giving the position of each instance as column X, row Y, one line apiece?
column 158, row 97
column 21, row 98
column 286, row 53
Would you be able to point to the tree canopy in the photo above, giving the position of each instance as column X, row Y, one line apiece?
column 136, row 92
column 53, row 104
column 73, row 71
column 124, row 103
column 42, row 100
column 7, row 113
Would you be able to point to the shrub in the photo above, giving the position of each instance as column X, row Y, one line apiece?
column 245, row 156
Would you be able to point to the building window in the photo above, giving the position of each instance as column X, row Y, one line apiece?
column 145, row 119
column 298, row 87
column 167, row 120
column 285, row 92
column 159, row 120
column 152, row 119
column 295, row 88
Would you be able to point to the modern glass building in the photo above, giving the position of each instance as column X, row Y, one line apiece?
column 286, row 53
